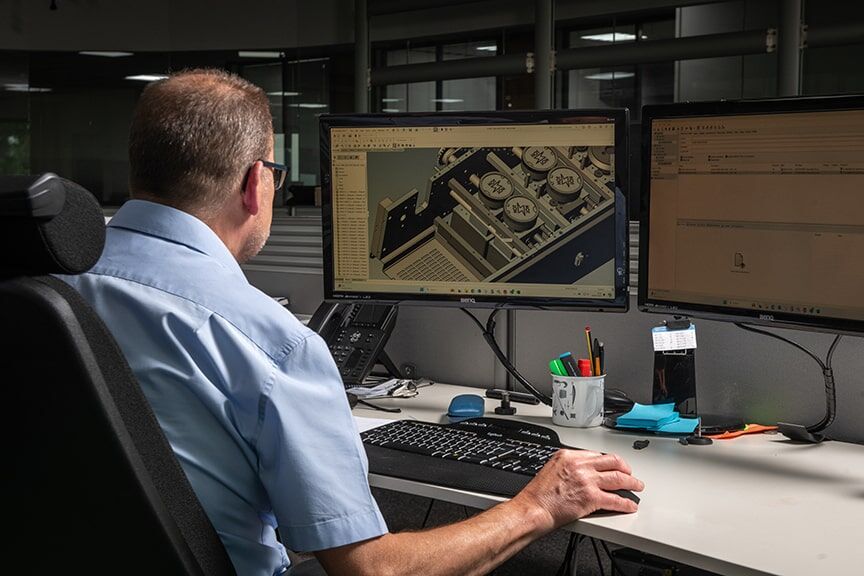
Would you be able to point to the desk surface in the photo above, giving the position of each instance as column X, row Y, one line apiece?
column 757, row 504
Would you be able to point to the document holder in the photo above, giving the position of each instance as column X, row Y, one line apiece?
column 675, row 380
column 675, row 376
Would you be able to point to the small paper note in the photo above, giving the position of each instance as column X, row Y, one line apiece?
column 680, row 426
column 665, row 339
column 648, row 416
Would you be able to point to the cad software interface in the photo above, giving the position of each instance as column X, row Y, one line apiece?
column 516, row 210
column 760, row 212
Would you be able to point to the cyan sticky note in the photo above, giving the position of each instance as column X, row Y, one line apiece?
column 680, row 426
column 650, row 416
column 650, row 411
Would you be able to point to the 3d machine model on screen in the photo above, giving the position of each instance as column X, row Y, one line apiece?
column 538, row 214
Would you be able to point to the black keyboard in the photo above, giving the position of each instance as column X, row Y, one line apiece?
column 490, row 455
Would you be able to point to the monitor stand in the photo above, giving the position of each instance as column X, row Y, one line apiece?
column 799, row 433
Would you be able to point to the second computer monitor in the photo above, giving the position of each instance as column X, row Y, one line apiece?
column 754, row 211
column 520, row 209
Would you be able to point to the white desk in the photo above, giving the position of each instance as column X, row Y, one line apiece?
column 753, row 505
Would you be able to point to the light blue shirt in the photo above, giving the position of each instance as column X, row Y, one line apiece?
column 249, row 398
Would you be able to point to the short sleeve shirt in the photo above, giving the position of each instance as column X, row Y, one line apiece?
column 249, row 398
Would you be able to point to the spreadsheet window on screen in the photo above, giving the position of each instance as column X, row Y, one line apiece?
column 522, row 210
column 759, row 212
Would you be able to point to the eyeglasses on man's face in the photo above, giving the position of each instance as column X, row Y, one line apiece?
column 280, row 171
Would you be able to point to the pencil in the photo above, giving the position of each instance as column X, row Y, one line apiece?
column 590, row 352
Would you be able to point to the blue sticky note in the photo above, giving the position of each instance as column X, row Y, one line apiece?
column 650, row 411
column 680, row 426
column 650, row 416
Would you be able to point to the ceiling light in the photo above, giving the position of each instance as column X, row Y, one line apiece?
column 308, row 105
column 259, row 54
column 24, row 88
column 609, row 76
column 448, row 100
column 390, row 110
column 147, row 77
column 610, row 37
column 492, row 48
column 283, row 93
column 390, row 100
column 105, row 53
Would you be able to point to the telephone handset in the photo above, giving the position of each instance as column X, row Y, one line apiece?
column 356, row 335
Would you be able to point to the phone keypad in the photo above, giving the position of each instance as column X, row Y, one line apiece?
column 353, row 350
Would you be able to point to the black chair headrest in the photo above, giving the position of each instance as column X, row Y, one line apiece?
column 48, row 225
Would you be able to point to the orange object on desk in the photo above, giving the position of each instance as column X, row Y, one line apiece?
column 748, row 429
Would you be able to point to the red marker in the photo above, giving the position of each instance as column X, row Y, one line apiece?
column 584, row 367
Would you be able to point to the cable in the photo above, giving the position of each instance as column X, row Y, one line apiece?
column 489, row 335
column 428, row 511
column 827, row 374
column 615, row 567
column 376, row 407
column 597, row 555
column 566, row 567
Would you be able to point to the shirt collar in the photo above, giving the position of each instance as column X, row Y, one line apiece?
column 175, row 226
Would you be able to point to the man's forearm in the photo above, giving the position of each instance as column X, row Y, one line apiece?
column 473, row 546
column 571, row 485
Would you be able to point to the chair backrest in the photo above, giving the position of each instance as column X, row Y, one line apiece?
column 94, row 484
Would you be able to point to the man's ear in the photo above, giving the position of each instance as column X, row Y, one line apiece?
column 252, row 191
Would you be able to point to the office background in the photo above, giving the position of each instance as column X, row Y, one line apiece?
column 68, row 112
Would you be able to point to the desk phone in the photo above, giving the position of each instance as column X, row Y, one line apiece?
column 356, row 335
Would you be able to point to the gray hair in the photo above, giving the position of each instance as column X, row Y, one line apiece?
column 194, row 137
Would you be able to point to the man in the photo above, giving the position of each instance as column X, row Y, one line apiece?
column 250, row 400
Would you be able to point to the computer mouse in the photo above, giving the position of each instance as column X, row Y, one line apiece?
column 465, row 406
column 627, row 494
column 624, row 494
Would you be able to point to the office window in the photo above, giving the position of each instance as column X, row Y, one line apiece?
column 833, row 69
column 630, row 86
column 69, row 113
column 414, row 97
column 443, row 95
column 468, row 93
column 14, row 114
column 299, row 90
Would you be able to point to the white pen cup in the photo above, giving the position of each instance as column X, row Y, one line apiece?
column 577, row 401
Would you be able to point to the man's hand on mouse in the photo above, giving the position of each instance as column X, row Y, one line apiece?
column 575, row 483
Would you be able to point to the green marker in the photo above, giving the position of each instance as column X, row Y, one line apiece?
column 557, row 368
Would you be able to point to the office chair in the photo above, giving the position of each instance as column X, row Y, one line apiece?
column 92, row 484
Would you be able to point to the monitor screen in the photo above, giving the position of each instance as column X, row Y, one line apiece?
column 518, row 209
column 754, row 211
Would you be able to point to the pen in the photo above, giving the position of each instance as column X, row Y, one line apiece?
column 602, row 355
column 590, row 353
column 598, row 370
column 569, row 364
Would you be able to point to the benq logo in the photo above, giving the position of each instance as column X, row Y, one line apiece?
column 766, row 317
column 468, row 300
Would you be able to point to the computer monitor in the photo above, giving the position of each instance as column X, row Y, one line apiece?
column 499, row 209
column 754, row 212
